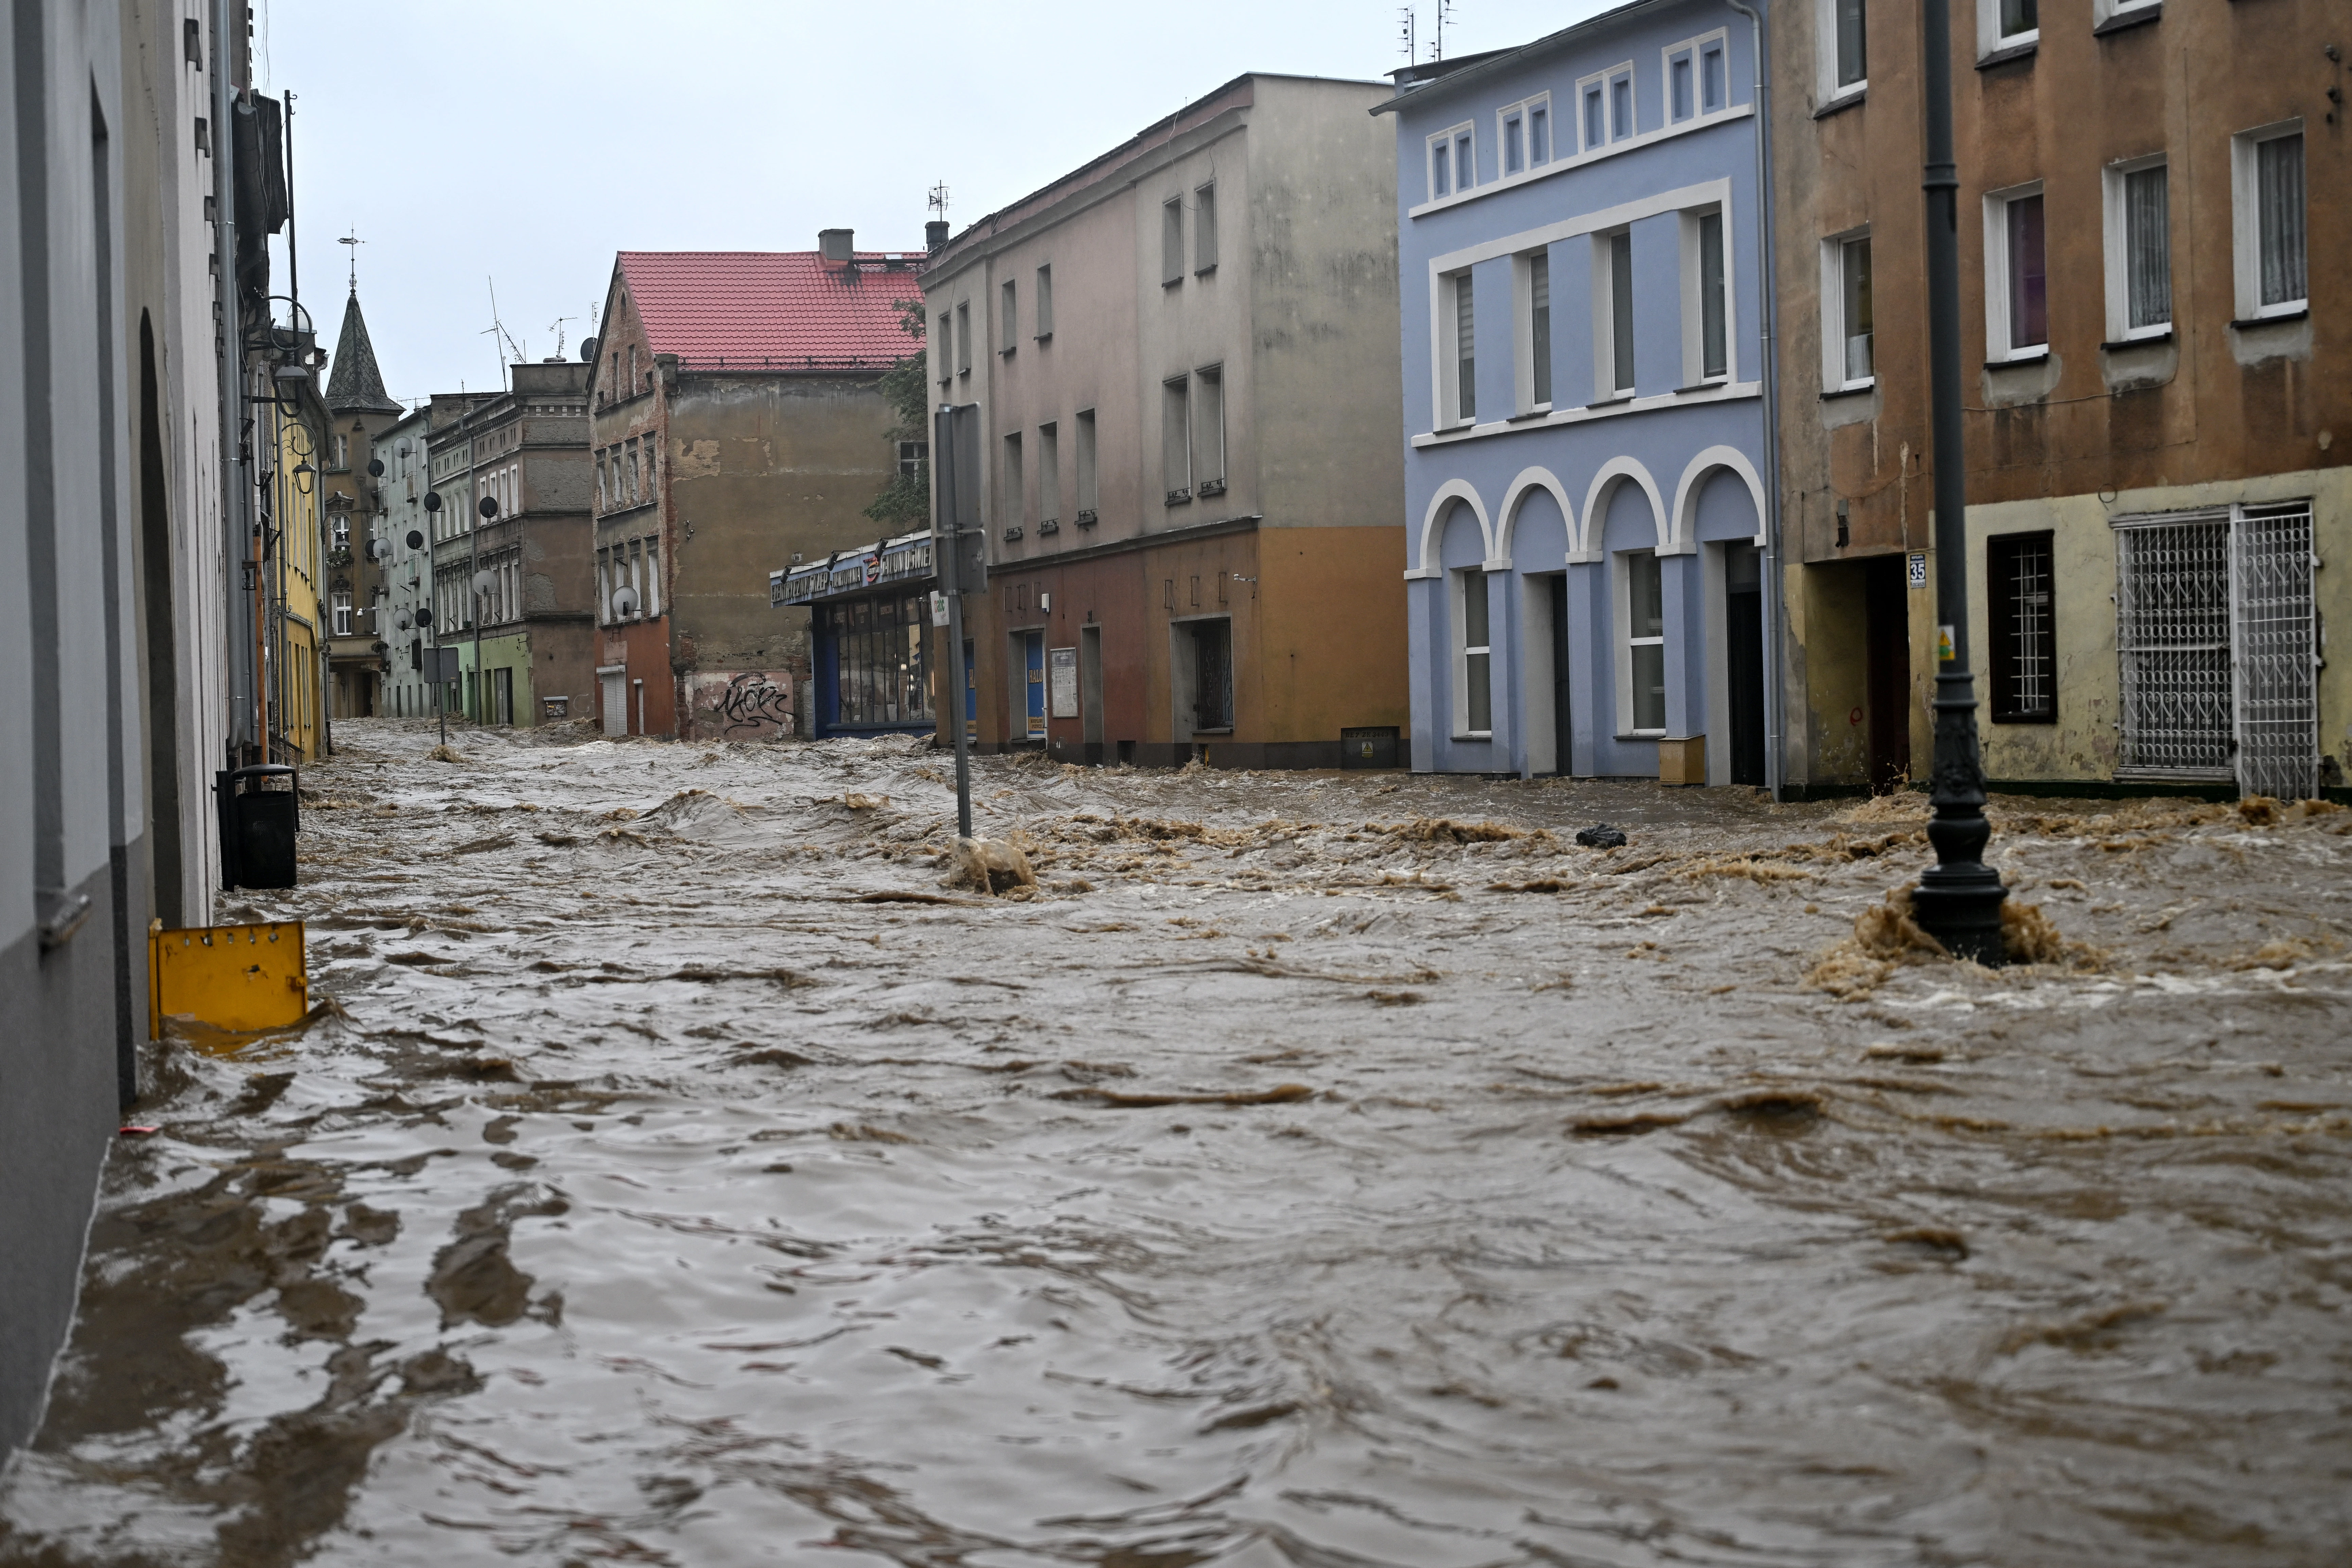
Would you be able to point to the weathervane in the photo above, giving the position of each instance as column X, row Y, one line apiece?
column 355, row 241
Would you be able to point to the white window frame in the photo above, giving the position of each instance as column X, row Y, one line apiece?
column 1598, row 82
column 1465, row 580
column 1441, row 143
column 1833, row 325
column 1626, row 74
column 1996, row 239
column 1695, row 372
column 1695, row 47
column 1523, row 332
column 2106, row 11
column 1448, row 412
column 1627, row 642
column 1989, row 40
column 1828, row 94
column 2118, row 249
column 2246, row 221
column 1524, row 112
column 339, row 605
column 1604, row 319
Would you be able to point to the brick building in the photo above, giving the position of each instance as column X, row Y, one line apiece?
column 737, row 423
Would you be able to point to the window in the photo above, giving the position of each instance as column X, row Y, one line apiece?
column 1475, row 709
column 1171, row 241
column 1204, row 230
column 2122, row 12
column 635, row 492
column 1596, row 115
column 943, row 334
column 1848, row 354
column 1010, row 493
column 1049, row 474
column 1613, row 267
column 1089, row 501
column 1209, row 431
column 1621, row 104
column 2006, row 26
column 912, row 456
column 1536, row 286
column 342, row 609
column 1458, row 352
column 1175, row 441
column 1453, row 162
column 343, row 531
column 1713, row 80
column 1525, row 129
column 2139, row 249
column 1008, row 319
column 2017, row 292
column 338, row 452
column 1843, row 28
column 2266, row 169
column 1682, row 87
column 1713, row 359
column 1045, row 305
column 2024, row 634
column 963, row 338
column 1645, row 641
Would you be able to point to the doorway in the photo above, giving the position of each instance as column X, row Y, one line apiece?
column 1031, row 702
column 1090, row 693
column 1563, row 747
column 1886, row 662
column 615, row 683
column 1743, row 627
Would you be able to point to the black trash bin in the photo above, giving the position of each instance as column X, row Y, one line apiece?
column 259, row 819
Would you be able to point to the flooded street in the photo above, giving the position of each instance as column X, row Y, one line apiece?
column 1318, row 1170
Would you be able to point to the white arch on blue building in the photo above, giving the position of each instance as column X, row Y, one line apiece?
column 1433, row 521
column 1684, row 525
column 1614, row 472
column 1532, row 479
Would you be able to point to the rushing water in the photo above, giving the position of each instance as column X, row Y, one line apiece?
column 1290, row 1182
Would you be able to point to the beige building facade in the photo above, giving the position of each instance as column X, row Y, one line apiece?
column 1184, row 360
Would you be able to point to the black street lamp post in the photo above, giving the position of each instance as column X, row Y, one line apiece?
column 1959, row 898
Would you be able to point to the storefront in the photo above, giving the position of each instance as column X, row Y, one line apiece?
column 870, row 636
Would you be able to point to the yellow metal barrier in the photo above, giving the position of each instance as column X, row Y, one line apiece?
column 236, row 978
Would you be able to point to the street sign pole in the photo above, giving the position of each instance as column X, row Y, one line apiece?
column 947, row 560
column 1958, row 898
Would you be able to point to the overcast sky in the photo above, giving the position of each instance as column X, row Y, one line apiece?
column 527, row 140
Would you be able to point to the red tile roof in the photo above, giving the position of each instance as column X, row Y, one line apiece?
column 775, row 308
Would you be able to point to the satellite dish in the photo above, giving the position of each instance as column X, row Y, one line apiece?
column 403, row 622
column 588, row 350
column 416, row 539
column 489, row 507
column 375, row 468
column 432, row 500
column 624, row 601
column 424, row 615
column 484, row 583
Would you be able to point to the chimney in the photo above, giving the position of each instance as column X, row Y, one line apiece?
column 935, row 236
column 834, row 245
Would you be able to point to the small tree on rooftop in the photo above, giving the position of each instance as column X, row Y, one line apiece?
column 906, row 502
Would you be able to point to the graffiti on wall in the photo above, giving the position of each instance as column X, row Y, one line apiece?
column 741, row 705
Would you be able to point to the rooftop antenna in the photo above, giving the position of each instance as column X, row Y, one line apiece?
column 499, row 329
column 1444, row 14
column 1408, row 26
column 939, row 200
column 557, row 328
column 355, row 241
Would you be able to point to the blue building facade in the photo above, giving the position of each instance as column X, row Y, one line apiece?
column 1584, row 392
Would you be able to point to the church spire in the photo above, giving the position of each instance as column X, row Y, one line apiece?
column 355, row 385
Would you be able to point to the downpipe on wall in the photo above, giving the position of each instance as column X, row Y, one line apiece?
column 1775, row 694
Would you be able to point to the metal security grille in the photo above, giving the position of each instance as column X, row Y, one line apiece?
column 2031, row 650
column 2277, row 651
column 2172, row 613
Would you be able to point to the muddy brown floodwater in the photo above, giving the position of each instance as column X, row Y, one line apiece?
column 1320, row 1170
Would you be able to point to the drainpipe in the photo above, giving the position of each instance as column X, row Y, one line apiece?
column 1775, row 697
column 240, row 679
